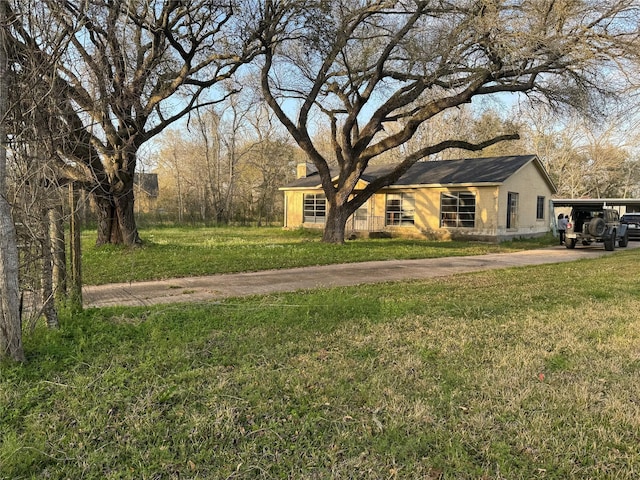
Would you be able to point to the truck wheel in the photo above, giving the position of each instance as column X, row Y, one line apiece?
column 624, row 240
column 597, row 226
column 570, row 243
column 610, row 241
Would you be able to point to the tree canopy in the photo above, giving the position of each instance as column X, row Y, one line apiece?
column 127, row 70
column 377, row 71
column 375, row 75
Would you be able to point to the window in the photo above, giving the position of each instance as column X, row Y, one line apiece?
column 360, row 219
column 400, row 209
column 512, row 210
column 315, row 208
column 540, row 208
column 457, row 209
column 362, row 213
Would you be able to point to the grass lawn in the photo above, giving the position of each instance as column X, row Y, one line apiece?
column 179, row 252
column 528, row 373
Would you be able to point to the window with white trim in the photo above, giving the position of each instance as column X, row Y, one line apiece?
column 314, row 208
column 400, row 209
column 458, row 209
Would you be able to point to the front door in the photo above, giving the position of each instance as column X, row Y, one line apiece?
column 512, row 211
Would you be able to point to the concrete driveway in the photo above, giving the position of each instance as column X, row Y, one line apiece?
column 216, row 287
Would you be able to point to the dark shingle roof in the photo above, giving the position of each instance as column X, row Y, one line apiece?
column 147, row 182
column 443, row 172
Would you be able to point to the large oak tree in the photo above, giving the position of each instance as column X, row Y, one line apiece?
column 378, row 71
column 131, row 69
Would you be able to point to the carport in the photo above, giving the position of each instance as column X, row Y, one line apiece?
column 630, row 204
column 563, row 205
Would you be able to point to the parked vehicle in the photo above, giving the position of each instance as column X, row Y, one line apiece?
column 590, row 224
column 632, row 221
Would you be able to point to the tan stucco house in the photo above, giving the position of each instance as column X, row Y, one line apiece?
column 491, row 199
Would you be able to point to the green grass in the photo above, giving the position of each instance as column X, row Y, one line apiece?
column 523, row 373
column 179, row 252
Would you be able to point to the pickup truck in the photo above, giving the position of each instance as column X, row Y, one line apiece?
column 589, row 224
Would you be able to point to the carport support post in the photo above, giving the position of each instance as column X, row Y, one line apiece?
column 554, row 220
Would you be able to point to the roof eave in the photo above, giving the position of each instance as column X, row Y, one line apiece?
column 543, row 171
column 411, row 186
column 444, row 185
column 310, row 187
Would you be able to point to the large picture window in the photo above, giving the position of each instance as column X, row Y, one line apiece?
column 400, row 209
column 457, row 209
column 315, row 208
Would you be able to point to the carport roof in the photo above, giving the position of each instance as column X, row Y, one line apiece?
column 595, row 202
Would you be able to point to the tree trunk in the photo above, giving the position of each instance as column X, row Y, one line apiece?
column 105, row 212
column 116, row 218
column 180, row 200
column 10, row 321
column 335, row 225
column 126, row 218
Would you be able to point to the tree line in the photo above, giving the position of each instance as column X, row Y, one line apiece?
column 224, row 167
column 86, row 84
column 227, row 170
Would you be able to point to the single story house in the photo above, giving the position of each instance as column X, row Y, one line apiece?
column 488, row 199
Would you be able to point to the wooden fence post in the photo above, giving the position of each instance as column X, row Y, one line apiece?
column 75, row 293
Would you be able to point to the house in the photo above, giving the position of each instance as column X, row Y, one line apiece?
column 146, row 190
column 489, row 199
